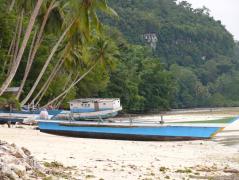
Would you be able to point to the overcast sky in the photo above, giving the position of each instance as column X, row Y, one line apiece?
column 225, row 10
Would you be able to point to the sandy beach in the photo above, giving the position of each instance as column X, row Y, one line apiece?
column 113, row 159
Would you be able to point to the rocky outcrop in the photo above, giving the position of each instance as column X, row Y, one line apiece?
column 17, row 163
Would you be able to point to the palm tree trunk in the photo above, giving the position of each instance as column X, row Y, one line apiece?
column 50, row 78
column 8, row 54
column 45, row 87
column 28, row 67
column 71, row 86
column 18, row 36
column 15, row 66
column 62, row 99
column 12, row 5
column 37, row 45
column 12, row 52
column 45, row 66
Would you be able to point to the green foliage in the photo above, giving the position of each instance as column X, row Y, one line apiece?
column 140, row 80
column 195, row 63
column 199, row 53
column 9, row 101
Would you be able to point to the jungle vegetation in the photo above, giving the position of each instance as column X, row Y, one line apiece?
column 57, row 50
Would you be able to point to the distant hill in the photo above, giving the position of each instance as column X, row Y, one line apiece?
column 186, row 36
column 195, row 48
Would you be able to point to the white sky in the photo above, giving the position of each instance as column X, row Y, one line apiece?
column 225, row 10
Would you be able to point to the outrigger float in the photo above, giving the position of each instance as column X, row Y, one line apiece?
column 128, row 131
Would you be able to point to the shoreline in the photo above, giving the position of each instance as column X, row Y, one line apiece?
column 116, row 159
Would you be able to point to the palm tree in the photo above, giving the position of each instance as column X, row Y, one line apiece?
column 22, row 6
column 84, row 20
column 16, row 64
column 53, row 51
column 104, row 52
column 50, row 8
column 46, row 85
column 12, row 5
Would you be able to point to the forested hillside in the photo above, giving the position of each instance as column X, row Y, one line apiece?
column 196, row 50
column 154, row 55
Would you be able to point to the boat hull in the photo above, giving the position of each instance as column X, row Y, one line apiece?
column 139, row 133
column 89, row 115
column 12, row 120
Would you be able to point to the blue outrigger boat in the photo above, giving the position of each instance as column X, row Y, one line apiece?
column 126, row 131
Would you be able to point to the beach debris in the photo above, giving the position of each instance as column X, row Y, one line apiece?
column 163, row 169
column 233, row 171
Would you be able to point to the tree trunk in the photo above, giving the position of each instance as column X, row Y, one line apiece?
column 37, row 45
column 28, row 67
column 71, row 86
column 12, row 5
column 8, row 54
column 45, row 66
column 15, row 66
column 48, row 82
column 62, row 99
column 18, row 36
column 12, row 52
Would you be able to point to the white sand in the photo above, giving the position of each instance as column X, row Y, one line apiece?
column 111, row 159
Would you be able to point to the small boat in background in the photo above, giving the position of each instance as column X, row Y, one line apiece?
column 80, row 109
column 91, row 108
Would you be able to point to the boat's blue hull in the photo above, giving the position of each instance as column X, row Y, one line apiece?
column 50, row 112
column 129, row 132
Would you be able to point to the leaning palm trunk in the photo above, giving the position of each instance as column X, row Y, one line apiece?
column 28, row 67
column 12, row 52
column 71, row 86
column 62, row 99
column 16, row 64
column 18, row 36
column 45, row 87
column 12, row 5
column 64, row 91
column 34, row 51
column 45, row 66
column 8, row 54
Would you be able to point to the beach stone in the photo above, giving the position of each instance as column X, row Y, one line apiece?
column 18, row 154
column 7, row 172
column 19, row 170
column 26, row 151
column 13, row 145
column 3, row 143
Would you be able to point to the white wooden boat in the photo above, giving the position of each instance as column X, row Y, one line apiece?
column 91, row 108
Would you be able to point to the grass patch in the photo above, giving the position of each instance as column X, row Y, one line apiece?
column 39, row 173
column 48, row 178
column 184, row 171
column 89, row 176
column 163, row 169
column 53, row 164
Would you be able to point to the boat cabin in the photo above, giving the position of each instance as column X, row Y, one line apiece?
column 94, row 104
